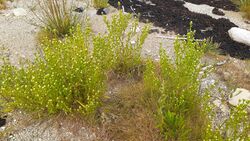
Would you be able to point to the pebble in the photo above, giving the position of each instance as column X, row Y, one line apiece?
column 79, row 9
column 19, row 12
column 102, row 11
column 218, row 12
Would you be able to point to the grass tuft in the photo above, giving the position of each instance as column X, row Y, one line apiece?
column 57, row 17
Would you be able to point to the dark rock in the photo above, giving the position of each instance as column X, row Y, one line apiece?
column 79, row 9
column 218, row 12
column 247, row 22
column 2, row 122
column 101, row 12
column 153, row 31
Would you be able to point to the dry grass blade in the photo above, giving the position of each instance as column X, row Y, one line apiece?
column 57, row 17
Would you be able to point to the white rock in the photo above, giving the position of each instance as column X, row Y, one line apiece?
column 19, row 12
column 133, row 42
column 240, row 35
column 2, row 128
column 239, row 95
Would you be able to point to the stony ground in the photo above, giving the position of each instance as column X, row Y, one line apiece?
column 19, row 41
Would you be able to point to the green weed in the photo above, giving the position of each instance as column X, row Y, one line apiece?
column 180, row 116
column 123, row 55
column 63, row 78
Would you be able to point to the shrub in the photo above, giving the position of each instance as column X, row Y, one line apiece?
column 67, row 75
column 184, row 113
column 100, row 3
column 180, row 115
column 57, row 17
column 122, row 54
column 64, row 78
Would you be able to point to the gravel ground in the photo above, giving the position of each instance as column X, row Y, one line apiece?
column 17, row 34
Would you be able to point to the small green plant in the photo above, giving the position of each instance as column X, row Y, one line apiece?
column 180, row 115
column 211, row 46
column 57, row 17
column 121, row 45
column 63, row 78
column 100, row 3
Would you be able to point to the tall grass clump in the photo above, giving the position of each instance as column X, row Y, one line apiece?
column 176, row 88
column 57, row 17
column 245, row 7
column 100, row 3
column 121, row 45
column 63, row 78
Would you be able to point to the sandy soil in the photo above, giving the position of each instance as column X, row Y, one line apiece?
column 17, row 33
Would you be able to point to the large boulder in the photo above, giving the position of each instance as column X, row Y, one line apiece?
column 239, row 95
column 240, row 35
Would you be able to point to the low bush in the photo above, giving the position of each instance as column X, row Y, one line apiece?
column 180, row 115
column 121, row 45
column 69, row 75
column 63, row 78
column 184, row 113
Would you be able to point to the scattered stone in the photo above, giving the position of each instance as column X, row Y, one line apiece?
column 150, row 3
column 19, row 12
column 239, row 95
column 218, row 12
column 2, row 122
column 102, row 11
column 154, row 30
column 79, row 9
column 133, row 42
column 247, row 22
column 2, row 128
column 240, row 35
